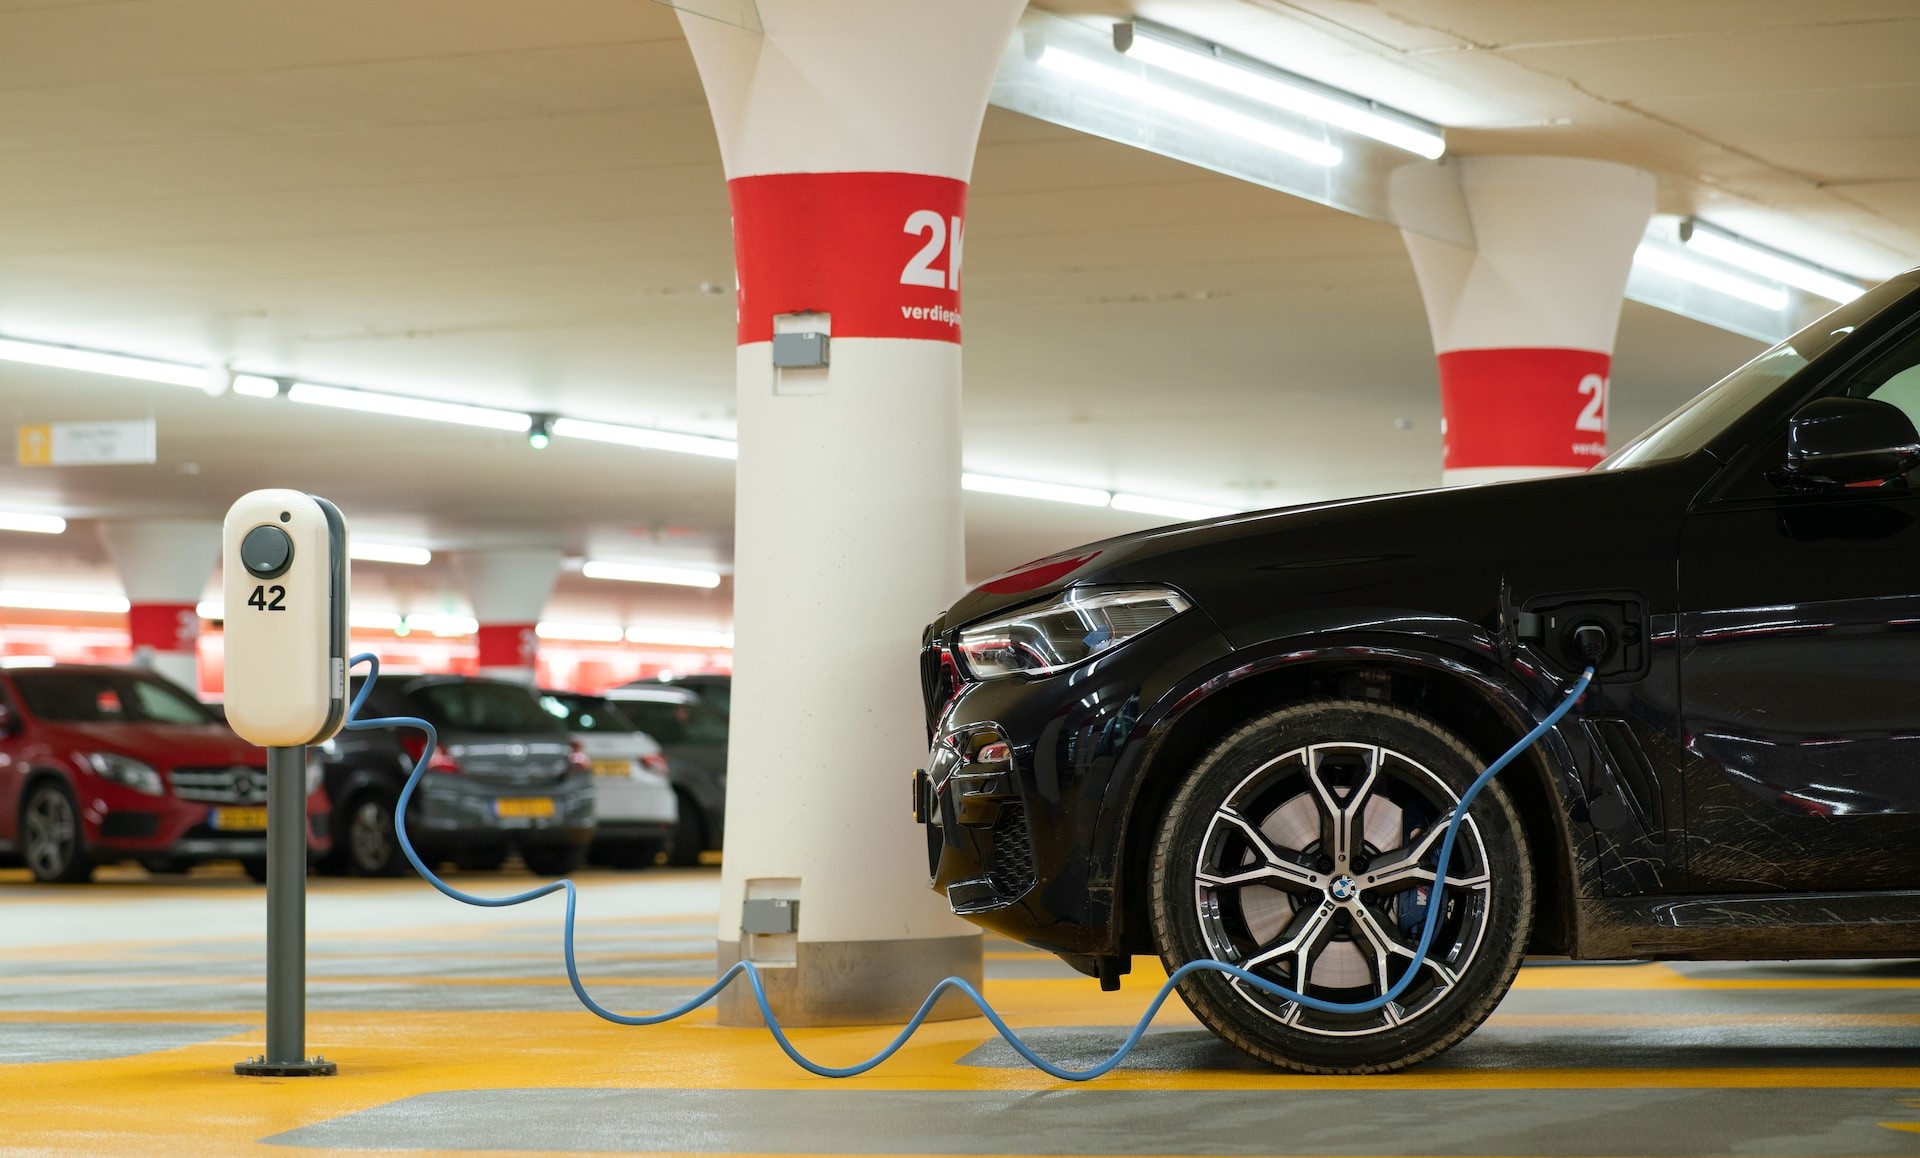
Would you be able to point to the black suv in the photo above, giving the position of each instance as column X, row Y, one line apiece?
column 506, row 776
column 1239, row 739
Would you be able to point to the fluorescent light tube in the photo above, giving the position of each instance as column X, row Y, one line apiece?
column 210, row 609
column 583, row 632
column 374, row 620
column 100, row 362
column 1718, row 243
column 63, row 601
column 1170, row 508
column 1679, row 265
column 442, row 625
column 388, row 553
column 26, row 661
column 679, row 637
column 405, row 406
column 1022, row 488
column 1192, row 108
column 34, row 524
column 649, row 573
column 645, row 438
column 1264, row 83
column 255, row 386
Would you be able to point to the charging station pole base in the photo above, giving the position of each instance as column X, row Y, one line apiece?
column 286, row 1055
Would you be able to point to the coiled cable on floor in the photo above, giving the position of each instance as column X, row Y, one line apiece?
column 956, row 984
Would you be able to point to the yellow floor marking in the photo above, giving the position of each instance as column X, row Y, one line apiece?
column 146, row 1104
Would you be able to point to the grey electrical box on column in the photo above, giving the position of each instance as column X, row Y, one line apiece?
column 284, row 580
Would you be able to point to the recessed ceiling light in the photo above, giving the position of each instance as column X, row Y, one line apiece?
column 407, row 406
column 1754, row 258
column 1256, row 80
column 34, row 524
column 1192, row 108
column 645, row 437
column 1028, row 489
column 1675, row 264
column 102, row 362
column 389, row 553
column 63, row 601
column 1170, row 508
column 649, row 573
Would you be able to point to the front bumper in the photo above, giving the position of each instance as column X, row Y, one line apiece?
column 118, row 822
column 1013, row 842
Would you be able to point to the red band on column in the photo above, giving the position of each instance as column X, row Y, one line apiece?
column 1524, row 408
column 879, row 251
column 163, row 626
column 507, row 644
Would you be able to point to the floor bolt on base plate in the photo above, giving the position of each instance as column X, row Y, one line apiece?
column 259, row 1067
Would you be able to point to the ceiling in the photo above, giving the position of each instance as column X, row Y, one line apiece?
column 522, row 204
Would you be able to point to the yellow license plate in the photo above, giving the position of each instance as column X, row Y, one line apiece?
column 240, row 819
column 612, row 768
column 538, row 807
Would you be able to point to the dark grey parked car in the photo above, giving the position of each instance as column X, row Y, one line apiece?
column 713, row 687
column 507, row 776
column 693, row 734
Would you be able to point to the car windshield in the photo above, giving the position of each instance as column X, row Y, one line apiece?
column 493, row 709
column 1721, row 405
column 586, row 714
column 107, row 697
column 677, row 721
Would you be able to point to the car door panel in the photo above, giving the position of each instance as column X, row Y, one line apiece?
column 1800, row 662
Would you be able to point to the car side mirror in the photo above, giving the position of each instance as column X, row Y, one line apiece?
column 1839, row 441
column 9, row 723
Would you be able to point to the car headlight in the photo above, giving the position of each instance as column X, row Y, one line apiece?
column 127, row 771
column 316, row 770
column 1076, row 625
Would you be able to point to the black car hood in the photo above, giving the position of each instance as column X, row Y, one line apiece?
column 1430, row 527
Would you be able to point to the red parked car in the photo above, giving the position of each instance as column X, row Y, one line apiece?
column 106, row 764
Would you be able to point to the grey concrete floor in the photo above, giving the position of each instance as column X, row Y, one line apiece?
column 123, row 1005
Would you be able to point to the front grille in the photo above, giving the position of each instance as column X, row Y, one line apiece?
column 1012, row 870
column 939, row 683
column 234, row 784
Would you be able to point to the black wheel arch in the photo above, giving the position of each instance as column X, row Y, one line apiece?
column 1488, row 709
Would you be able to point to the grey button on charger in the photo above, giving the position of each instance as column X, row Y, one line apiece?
column 266, row 552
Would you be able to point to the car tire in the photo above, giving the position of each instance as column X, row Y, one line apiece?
column 689, row 834
column 256, row 869
column 50, row 837
column 552, row 860
column 1272, row 800
column 372, row 846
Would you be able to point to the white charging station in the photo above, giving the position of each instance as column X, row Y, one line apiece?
column 284, row 576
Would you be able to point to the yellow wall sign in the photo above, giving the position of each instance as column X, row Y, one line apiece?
column 36, row 444
column 88, row 443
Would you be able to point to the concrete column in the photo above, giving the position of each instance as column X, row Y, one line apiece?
column 848, row 131
column 164, row 565
column 508, row 589
column 1523, row 325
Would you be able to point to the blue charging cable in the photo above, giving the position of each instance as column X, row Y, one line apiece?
column 957, row 984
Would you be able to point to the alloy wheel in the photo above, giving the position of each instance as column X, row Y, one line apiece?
column 370, row 837
column 1316, row 871
column 52, row 834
